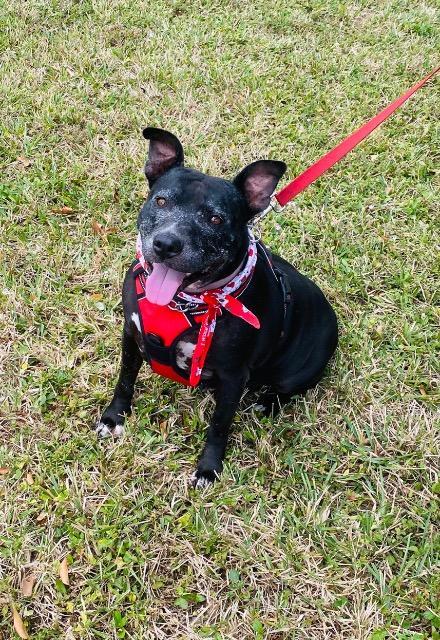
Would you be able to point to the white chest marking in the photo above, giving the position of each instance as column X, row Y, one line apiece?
column 184, row 352
column 135, row 318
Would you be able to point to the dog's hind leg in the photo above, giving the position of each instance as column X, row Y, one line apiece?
column 113, row 418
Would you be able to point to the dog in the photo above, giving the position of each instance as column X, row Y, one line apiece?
column 205, row 302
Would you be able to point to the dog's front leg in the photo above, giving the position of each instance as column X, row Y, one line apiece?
column 228, row 393
column 113, row 418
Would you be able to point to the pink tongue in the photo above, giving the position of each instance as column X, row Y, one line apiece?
column 162, row 284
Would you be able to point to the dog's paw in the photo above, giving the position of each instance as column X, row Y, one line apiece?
column 105, row 429
column 258, row 408
column 202, row 479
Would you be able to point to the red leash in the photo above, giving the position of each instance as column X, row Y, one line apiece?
column 311, row 174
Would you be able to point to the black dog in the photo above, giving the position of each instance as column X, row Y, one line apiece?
column 194, row 236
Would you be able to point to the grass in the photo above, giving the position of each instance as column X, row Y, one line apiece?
column 324, row 524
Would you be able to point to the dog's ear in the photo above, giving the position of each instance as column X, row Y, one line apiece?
column 257, row 183
column 165, row 152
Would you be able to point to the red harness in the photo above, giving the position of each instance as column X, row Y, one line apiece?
column 163, row 327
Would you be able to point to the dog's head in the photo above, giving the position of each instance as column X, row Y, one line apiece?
column 193, row 227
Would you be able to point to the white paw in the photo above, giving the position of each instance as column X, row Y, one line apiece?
column 103, row 431
column 259, row 408
column 118, row 431
column 199, row 483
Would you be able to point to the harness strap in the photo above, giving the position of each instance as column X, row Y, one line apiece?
column 287, row 299
column 284, row 284
column 156, row 350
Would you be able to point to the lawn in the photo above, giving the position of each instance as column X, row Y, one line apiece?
column 324, row 523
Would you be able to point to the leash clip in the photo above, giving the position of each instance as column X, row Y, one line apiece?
column 274, row 205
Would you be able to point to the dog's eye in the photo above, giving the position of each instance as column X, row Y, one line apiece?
column 216, row 219
column 161, row 202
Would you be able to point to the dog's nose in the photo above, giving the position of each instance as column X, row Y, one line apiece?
column 167, row 245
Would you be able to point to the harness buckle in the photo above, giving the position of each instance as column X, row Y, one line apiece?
column 183, row 307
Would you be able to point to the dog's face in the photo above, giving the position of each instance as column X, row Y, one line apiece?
column 194, row 224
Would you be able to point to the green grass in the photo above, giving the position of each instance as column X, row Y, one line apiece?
column 324, row 523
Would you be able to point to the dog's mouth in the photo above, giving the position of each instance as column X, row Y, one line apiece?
column 163, row 283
